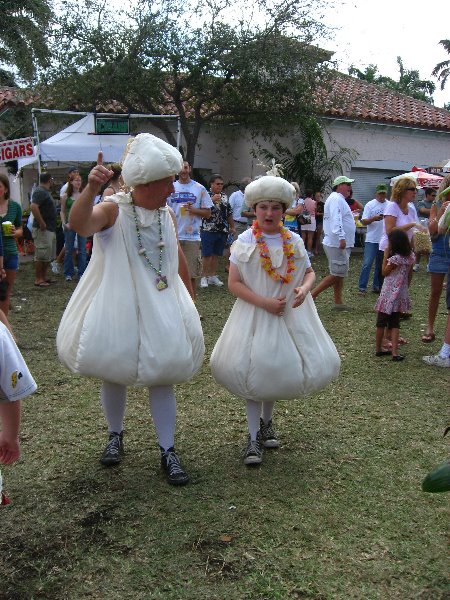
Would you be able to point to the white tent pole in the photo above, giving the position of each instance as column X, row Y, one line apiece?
column 36, row 135
column 178, row 133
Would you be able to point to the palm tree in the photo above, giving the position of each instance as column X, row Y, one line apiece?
column 24, row 25
column 442, row 69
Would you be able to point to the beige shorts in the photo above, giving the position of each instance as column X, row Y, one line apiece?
column 44, row 245
column 191, row 251
column 338, row 260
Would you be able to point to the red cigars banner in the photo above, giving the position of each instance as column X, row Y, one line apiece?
column 13, row 149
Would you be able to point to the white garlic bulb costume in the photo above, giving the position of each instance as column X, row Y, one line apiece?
column 263, row 357
column 118, row 325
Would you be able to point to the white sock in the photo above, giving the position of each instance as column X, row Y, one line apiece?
column 444, row 352
column 163, row 407
column 267, row 411
column 253, row 416
column 113, row 397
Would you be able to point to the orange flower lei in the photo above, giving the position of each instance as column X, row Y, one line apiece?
column 266, row 261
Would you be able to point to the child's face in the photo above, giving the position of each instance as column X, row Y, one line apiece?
column 269, row 215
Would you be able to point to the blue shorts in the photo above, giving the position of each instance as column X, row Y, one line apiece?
column 11, row 262
column 438, row 263
column 213, row 243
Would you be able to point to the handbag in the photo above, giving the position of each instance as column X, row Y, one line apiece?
column 304, row 218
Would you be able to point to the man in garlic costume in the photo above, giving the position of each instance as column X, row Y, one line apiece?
column 131, row 319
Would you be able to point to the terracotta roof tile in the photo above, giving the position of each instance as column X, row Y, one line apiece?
column 347, row 98
column 357, row 99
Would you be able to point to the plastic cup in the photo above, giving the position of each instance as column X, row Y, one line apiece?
column 7, row 228
column 183, row 211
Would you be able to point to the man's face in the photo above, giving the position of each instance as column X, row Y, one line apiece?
column 381, row 197
column 185, row 172
column 159, row 191
column 344, row 189
column 217, row 186
column 431, row 197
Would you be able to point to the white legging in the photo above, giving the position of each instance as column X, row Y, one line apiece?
column 162, row 404
column 255, row 410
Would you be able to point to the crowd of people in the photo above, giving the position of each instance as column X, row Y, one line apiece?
column 155, row 238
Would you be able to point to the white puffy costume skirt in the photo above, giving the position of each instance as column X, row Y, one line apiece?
column 117, row 325
column 263, row 357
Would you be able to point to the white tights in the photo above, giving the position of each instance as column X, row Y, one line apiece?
column 254, row 411
column 162, row 404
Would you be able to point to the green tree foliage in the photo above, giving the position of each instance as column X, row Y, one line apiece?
column 409, row 82
column 442, row 69
column 309, row 162
column 24, row 25
column 258, row 70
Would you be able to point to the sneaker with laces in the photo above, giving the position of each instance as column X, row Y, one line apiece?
column 214, row 280
column 112, row 454
column 56, row 268
column 68, row 278
column 172, row 467
column 268, row 435
column 437, row 361
column 253, row 451
column 204, row 282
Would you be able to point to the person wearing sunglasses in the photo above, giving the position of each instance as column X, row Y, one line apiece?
column 400, row 211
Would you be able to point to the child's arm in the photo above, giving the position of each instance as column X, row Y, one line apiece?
column 302, row 291
column 9, row 436
column 240, row 290
column 386, row 269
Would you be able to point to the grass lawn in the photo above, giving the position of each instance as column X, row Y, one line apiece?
column 336, row 512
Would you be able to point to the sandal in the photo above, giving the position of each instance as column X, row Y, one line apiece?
column 402, row 341
column 43, row 284
column 427, row 338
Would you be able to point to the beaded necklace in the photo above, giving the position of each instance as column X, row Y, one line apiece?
column 266, row 261
column 161, row 280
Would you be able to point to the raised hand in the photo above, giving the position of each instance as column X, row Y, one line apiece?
column 99, row 174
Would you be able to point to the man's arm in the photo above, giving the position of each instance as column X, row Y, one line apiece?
column 37, row 216
column 336, row 220
column 205, row 213
column 85, row 218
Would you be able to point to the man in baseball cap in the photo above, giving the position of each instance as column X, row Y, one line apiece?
column 140, row 326
column 372, row 218
column 339, row 229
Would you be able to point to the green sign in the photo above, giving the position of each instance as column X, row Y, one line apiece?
column 111, row 126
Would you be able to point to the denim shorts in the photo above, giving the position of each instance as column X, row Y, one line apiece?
column 438, row 263
column 213, row 243
column 11, row 262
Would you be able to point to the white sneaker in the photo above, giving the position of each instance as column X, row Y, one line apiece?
column 56, row 268
column 204, row 282
column 416, row 268
column 437, row 361
column 214, row 280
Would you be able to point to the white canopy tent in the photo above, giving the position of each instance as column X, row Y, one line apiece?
column 79, row 142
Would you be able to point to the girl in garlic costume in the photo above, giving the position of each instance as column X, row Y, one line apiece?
column 273, row 345
column 131, row 320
